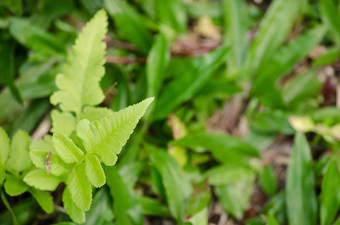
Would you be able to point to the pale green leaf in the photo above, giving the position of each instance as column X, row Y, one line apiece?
column 79, row 81
column 94, row 171
column 44, row 199
column 2, row 175
column 19, row 159
column 39, row 151
column 4, row 147
column 14, row 186
column 63, row 122
column 76, row 214
column 80, row 188
column 40, row 179
column 107, row 136
column 330, row 194
column 95, row 113
column 66, row 149
column 300, row 194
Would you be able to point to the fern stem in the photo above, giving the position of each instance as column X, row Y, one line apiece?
column 9, row 208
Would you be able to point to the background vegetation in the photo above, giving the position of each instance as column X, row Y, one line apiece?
column 245, row 125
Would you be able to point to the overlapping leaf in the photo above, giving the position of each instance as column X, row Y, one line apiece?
column 66, row 149
column 107, row 136
column 94, row 170
column 41, row 180
column 80, row 188
column 72, row 209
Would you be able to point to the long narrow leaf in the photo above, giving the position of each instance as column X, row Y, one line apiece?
column 300, row 195
column 188, row 84
column 330, row 195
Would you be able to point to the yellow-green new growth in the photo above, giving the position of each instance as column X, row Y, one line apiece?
column 79, row 81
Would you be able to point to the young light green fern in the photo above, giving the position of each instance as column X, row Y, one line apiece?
column 83, row 135
column 79, row 81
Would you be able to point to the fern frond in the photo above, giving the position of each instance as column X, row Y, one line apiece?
column 107, row 136
column 79, row 81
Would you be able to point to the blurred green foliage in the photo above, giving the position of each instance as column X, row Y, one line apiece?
column 245, row 124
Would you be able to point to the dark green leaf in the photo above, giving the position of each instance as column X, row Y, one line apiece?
column 218, row 87
column 201, row 9
column 7, row 67
column 153, row 207
column 331, row 17
column 50, row 10
column 271, row 220
column 235, row 22
column 235, row 197
column 126, row 207
column 282, row 63
column 274, row 121
column 157, row 62
column 300, row 89
column 172, row 14
column 185, row 86
column 44, row 199
column 225, row 148
column 36, row 38
column 197, row 203
column 228, row 173
column 175, row 181
column 331, row 56
column 273, row 31
column 300, row 195
column 14, row 6
column 100, row 211
column 330, row 194
column 268, row 180
column 130, row 24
